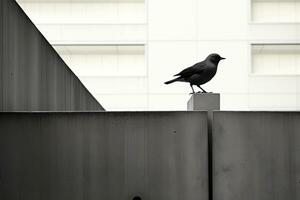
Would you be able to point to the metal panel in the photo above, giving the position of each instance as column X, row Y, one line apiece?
column 256, row 155
column 104, row 155
column 33, row 76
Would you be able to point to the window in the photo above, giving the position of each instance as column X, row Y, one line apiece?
column 85, row 12
column 275, row 11
column 104, row 60
column 115, row 74
column 275, row 59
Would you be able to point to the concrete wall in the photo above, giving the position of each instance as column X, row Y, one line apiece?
column 209, row 102
column 33, row 76
column 256, row 155
column 103, row 155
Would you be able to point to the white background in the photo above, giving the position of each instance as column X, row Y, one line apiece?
column 166, row 36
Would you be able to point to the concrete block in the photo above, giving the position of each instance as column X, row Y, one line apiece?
column 204, row 101
column 103, row 155
column 208, row 102
column 256, row 155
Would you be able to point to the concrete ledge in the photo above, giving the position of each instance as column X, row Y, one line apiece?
column 103, row 155
column 256, row 155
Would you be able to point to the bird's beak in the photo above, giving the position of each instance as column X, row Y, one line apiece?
column 223, row 58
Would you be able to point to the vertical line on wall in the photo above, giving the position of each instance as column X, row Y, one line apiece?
column 249, row 71
column 146, row 4
column 249, row 9
column 197, row 28
column 297, row 68
column 145, row 132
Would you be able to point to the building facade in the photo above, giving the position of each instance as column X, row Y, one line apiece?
column 123, row 50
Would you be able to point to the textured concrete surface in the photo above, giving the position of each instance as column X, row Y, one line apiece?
column 32, row 75
column 204, row 101
column 256, row 155
column 103, row 155
column 209, row 102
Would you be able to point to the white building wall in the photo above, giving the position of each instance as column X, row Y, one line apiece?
column 176, row 34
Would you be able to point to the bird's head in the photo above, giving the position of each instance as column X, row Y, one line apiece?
column 214, row 58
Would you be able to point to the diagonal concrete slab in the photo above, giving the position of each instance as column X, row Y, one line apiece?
column 33, row 76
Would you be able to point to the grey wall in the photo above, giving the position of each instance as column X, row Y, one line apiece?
column 256, row 155
column 103, row 155
column 33, row 76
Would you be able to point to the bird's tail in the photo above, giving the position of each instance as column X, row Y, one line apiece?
column 172, row 81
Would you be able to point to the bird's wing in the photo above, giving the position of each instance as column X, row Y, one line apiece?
column 195, row 69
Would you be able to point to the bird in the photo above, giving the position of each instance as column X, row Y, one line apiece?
column 200, row 73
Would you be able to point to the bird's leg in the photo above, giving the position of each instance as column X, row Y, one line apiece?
column 201, row 89
column 192, row 89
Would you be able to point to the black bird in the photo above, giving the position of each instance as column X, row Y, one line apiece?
column 200, row 73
